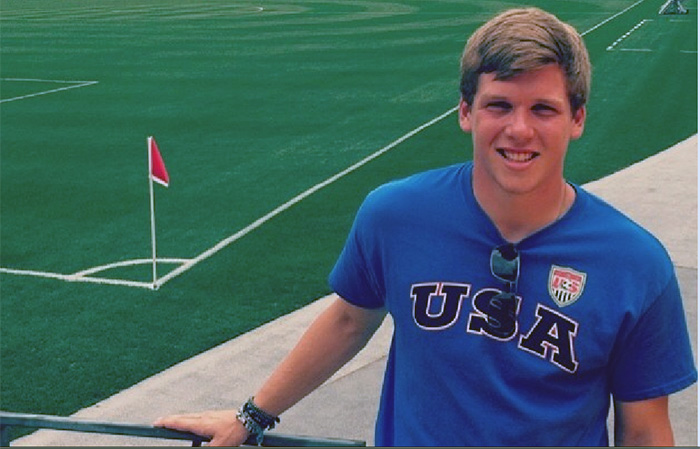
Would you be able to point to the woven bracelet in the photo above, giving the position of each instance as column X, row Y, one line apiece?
column 251, row 426
column 255, row 420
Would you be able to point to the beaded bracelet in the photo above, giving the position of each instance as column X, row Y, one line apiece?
column 255, row 420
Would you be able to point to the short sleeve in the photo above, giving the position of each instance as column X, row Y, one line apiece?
column 355, row 274
column 655, row 357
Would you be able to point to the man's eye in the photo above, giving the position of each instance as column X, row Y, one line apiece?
column 498, row 106
column 544, row 109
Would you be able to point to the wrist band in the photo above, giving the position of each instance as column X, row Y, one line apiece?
column 255, row 420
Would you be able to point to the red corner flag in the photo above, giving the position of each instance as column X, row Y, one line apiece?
column 158, row 172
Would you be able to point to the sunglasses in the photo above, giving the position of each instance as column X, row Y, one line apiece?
column 505, row 266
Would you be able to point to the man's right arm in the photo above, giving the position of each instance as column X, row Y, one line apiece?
column 332, row 340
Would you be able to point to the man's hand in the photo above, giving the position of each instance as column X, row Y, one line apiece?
column 334, row 338
column 222, row 427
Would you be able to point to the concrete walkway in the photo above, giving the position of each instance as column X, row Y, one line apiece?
column 660, row 193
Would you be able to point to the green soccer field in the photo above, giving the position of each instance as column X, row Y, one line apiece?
column 255, row 105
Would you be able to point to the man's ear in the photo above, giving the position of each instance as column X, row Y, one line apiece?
column 465, row 116
column 578, row 123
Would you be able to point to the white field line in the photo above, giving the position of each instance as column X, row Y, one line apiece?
column 125, row 263
column 85, row 275
column 189, row 263
column 109, row 281
column 74, row 85
column 612, row 46
column 43, row 274
column 611, row 18
column 265, row 218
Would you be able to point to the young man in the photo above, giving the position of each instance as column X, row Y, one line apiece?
column 521, row 303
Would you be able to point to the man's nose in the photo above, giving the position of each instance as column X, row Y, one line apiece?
column 520, row 126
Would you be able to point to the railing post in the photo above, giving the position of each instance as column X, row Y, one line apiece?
column 4, row 436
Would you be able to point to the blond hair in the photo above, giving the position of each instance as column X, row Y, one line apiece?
column 522, row 40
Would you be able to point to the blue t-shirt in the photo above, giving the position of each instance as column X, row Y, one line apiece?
column 598, row 312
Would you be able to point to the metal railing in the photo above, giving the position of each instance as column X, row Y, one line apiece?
column 9, row 420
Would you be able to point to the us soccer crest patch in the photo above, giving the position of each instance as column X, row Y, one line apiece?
column 565, row 285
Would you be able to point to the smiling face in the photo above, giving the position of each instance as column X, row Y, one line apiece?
column 521, row 128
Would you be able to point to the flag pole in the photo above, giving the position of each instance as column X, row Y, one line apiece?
column 153, row 213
